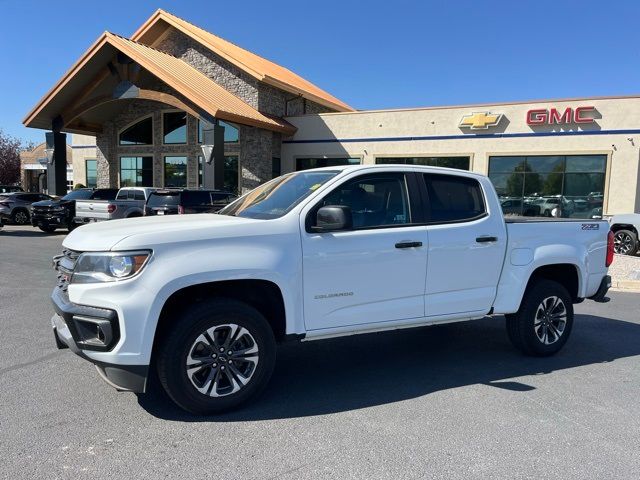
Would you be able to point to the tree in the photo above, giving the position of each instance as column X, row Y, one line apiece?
column 10, row 148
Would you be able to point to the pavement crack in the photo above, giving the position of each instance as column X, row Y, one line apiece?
column 28, row 364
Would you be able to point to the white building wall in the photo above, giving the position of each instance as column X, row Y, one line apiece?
column 371, row 134
column 83, row 147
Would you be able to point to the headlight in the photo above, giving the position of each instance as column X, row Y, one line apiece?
column 108, row 266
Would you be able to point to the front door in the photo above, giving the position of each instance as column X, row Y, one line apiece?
column 466, row 247
column 374, row 272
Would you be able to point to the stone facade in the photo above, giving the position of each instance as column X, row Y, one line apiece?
column 256, row 147
column 109, row 150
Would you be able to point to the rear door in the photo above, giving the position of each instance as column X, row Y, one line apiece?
column 466, row 246
column 375, row 271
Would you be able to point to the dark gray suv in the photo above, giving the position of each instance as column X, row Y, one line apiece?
column 16, row 206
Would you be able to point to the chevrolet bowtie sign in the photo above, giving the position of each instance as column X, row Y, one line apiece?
column 480, row 120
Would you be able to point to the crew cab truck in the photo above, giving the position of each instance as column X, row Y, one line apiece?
column 203, row 300
column 129, row 203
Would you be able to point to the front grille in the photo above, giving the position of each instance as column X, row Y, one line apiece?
column 64, row 265
column 39, row 209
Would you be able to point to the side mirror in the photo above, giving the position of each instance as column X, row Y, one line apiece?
column 332, row 218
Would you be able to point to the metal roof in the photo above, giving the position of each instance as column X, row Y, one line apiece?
column 255, row 65
column 179, row 75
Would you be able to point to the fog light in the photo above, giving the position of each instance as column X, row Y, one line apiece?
column 93, row 331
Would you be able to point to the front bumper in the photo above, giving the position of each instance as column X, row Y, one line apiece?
column 82, row 328
column 38, row 219
column 600, row 295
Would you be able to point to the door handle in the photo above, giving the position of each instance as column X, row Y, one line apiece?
column 408, row 244
column 486, row 239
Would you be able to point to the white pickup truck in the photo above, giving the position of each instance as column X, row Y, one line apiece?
column 625, row 228
column 204, row 299
column 129, row 203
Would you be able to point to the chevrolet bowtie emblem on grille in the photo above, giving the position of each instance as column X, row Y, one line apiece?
column 480, row 120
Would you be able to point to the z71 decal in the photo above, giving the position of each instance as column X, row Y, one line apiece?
column 590, row 226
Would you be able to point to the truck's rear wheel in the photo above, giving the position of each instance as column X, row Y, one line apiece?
column 625, row 242
column 217, row 355
column 543, row 323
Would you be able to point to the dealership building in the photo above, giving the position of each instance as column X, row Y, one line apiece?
column 151, row 102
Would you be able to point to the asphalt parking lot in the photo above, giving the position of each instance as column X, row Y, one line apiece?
column 452, row 401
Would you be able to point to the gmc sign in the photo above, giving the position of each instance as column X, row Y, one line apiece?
column 553, row 116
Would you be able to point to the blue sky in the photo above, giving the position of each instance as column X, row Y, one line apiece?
column 370, row 54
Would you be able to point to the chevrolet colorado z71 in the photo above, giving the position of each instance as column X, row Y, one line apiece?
column 203, row 300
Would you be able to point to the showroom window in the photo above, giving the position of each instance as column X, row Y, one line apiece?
column 569, row 186
column 230, row 132
column 175, row 171
column 174, row 127
column 140, row 133
column 307, row 163
column 91, row 170
column 230, row 173
column 461, row 163
column 136, row 172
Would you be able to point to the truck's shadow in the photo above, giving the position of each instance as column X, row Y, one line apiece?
column 355, row 372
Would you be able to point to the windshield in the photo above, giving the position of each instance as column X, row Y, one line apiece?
column 78, row 195
column 279, row 196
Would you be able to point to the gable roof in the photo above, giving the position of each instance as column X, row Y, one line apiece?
column 179, row 75
column 254, row 65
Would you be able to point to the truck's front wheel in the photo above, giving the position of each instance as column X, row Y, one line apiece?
column 217, row 355
column 543, row 323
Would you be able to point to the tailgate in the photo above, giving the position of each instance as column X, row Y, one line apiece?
column 97, row 209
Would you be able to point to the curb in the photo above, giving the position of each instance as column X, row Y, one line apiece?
column 625, row 285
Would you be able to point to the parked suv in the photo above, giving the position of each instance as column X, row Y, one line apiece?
column 178, row 201
column 52, row 214
column 16, row 206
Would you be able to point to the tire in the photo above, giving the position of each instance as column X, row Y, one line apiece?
column 71, row 226
column 625, row 242
column 47, row 228
column 201, row 332
column 529, row 325
column 20, row 216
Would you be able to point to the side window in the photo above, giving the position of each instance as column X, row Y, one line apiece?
column 138, row 195
column 375, row 200
column 453, row 198
column 122, row 195
column 192, row 199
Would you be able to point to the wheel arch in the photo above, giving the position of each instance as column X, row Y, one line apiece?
column 263, row 295
column 566, row 274
column 624, row 226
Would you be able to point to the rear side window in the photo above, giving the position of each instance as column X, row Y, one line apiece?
column 105, row 194
column 453, row 198
column 192, row 199
column 122, row 195
column 164, row 199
